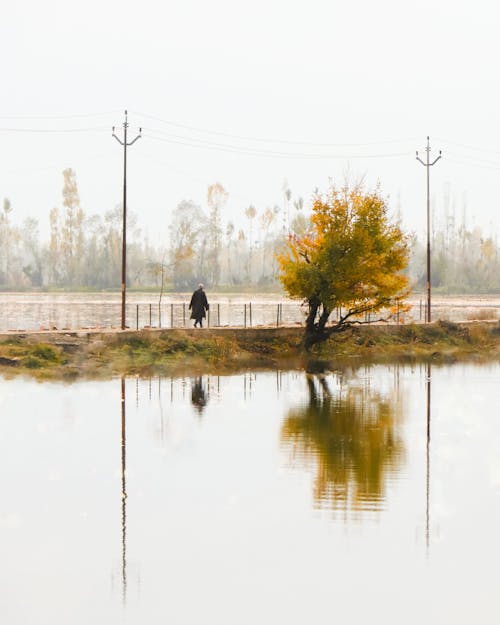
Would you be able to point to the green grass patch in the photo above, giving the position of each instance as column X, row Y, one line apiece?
column 25, row 355
column 186, row 352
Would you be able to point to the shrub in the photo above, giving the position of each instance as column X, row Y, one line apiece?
column 45, row 353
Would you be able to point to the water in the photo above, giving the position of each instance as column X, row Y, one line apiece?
column 71, row 311
column 369, row 495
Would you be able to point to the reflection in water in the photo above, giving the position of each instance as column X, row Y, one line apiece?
column 351, row 436
column 428, row 445
column 124, row 496
column 160, row 404
column 199, row 397
column 200, row 530
column 199, row 389
column 249, row 379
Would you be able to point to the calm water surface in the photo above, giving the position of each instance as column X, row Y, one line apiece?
column 264, row 498
column 71, row 311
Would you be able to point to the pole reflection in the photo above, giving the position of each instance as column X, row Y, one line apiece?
column 350, row 436
column 124, row 493
column 428, row 466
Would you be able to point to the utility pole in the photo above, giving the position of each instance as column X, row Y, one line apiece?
column 124, row 228
column 428, row 165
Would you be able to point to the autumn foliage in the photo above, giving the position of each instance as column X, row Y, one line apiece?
column 350, row 261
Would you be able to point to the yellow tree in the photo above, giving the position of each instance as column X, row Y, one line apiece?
column 351, row 259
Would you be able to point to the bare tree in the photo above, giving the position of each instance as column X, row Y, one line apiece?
column 216, row 198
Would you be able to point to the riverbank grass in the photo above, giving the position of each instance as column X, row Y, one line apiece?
column 226, row 350
column 16, row 353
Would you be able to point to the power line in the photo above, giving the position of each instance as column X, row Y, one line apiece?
column 55, row 130
column 24, row 170
column 268, row 140
column 474, row 159
column 211, row 145
column 173, row 168
column 465, row 163
column 71, row 116
column 469, row 147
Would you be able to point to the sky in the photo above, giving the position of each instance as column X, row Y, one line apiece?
column 250, row 95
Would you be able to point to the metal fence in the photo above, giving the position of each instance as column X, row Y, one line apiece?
column 25, row 316
column 79, row 315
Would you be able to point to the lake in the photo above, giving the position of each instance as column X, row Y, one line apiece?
column 72, row 311
column 368, row 495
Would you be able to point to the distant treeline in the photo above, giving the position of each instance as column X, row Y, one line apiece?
column 84, row 251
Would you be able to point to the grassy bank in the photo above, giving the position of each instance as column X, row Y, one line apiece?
column 188, row 352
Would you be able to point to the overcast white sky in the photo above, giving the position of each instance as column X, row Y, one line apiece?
column 382, row 74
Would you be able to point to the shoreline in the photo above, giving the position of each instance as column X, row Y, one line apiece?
column 67, row 355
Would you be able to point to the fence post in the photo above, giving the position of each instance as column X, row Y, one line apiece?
column 397, row 313
column 218, row 314
column 171, row 315
column 208, row 318
column 137, row 316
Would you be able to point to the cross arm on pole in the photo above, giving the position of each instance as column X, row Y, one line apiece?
column 117, row 138
column 139, row 136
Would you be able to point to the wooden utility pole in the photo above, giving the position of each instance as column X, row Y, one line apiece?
column 124, row 227
column 428, row 165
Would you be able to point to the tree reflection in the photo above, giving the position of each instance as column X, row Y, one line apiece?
column 351, row 436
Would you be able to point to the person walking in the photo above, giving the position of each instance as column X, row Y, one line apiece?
column 198, row 306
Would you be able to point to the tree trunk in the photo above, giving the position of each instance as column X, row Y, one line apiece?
column 314, row 304
column 315, row 329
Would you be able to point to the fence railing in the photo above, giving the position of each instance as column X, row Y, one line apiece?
column 26, row 316
column 220, row 314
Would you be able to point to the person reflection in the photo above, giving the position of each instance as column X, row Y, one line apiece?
column 351, row 437
column 198, row 395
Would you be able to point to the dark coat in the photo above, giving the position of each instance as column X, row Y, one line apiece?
column 198, row 304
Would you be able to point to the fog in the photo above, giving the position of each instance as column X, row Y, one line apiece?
column 248, row 96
